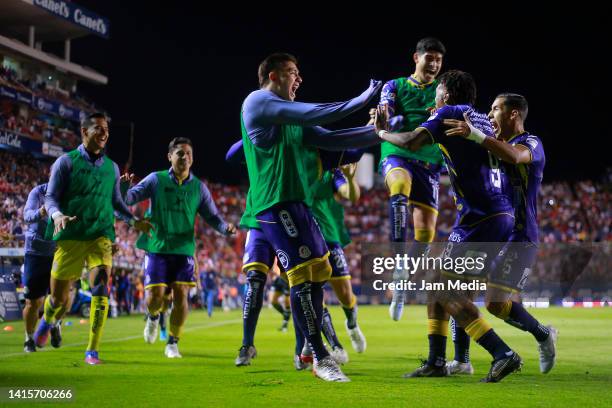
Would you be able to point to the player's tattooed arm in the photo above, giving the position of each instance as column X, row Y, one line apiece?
column 513, row 154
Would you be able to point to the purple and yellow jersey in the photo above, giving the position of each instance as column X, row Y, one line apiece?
column 526, row 179
column 480, row 186
column 413, row 100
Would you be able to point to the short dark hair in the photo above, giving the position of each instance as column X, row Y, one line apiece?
column 515, row 101
column 273, row 62
column 88, row 120
column 174, row 143
column 430, row 44
column 460, row 86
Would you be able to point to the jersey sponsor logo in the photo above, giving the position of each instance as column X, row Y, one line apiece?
column 304, row 252
column 288, row 223
column 283, row 258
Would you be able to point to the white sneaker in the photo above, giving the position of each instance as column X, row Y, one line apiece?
column 150, row 330
column 396, row 308
column 339, row 355
column 456, row 367
column 548, row 351
column 327, row 369
column 172, row 351
column 358, row 340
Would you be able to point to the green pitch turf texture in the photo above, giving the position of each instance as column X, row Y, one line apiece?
column 137, row 374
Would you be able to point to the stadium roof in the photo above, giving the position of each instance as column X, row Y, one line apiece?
column 52, row 22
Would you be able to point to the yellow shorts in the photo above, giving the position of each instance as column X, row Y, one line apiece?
column 71, row 256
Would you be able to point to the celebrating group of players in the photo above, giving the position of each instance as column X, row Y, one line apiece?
column 297, row 170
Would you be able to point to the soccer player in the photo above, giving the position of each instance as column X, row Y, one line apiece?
column 82, row 199
column 485, row 215
column 523, row 154
column 37, row 266
column 176, row 198
column 274, row 131
column 412, row 177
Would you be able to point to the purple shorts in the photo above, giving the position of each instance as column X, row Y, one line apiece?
column 425, row 179
column 295, row 236
column 513, row 265
column 165, row 269
column 479, row 237
column 338, row 262
column 258, row 253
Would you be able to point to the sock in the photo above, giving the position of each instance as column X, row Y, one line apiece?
column 484, row 335
column 50, row 310
column 398, row 214
column 299, row 336
column 437, row 331
column 307, row 306
column 279, row 308
column 176, row 331
column 350, row 311
column 251, row 307
column 162, row 320
column 97, row 320
column 461, row 341
column 329, row 331
column 521, row 318
column 172, row 340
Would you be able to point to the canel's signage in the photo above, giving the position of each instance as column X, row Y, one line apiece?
column 77, row 14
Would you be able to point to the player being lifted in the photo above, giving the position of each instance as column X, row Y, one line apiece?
column 485, row 216
column 37, row 267
column 523, row 155
column 274, row 131
column 412, row 177
column 177, row 196
column 82, row 198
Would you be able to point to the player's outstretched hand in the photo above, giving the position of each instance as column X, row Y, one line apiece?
column 349, row 170
column 381, row 118
column 375, row 85
column 461, row 128
column 61, row 222
column 372, row 113
column 127, row 178
column 231, row 229
column 144, row 226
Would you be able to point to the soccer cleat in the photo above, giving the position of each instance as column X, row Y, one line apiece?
column 302, row 364
column 339, row 355
column 29, row 346
column 284, row 326
column 327, row 369
column 503, row 367
column 548, row 351
column 172, row 351
column 91, row 357
column 56, row 334
column 245, row 355
column 150, row 330
column 358, row 340
column 41, row 335
column 426, row 370
column 396, row 308
column 457, row 367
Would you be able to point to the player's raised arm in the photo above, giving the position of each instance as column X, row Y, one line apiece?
column 34, row 210
column 143, row 190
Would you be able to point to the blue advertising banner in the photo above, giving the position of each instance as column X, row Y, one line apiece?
column 77, row 14
column 13, row 140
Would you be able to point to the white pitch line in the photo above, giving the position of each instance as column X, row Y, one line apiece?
column 188, row 329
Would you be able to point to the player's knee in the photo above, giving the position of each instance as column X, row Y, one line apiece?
column 495, row 308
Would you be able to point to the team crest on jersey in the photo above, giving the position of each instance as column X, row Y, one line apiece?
column 288, row 223
column 304, row 252
column 532, row 142
column 283, row 258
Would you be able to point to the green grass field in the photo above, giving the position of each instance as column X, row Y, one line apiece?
column 137, row 374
